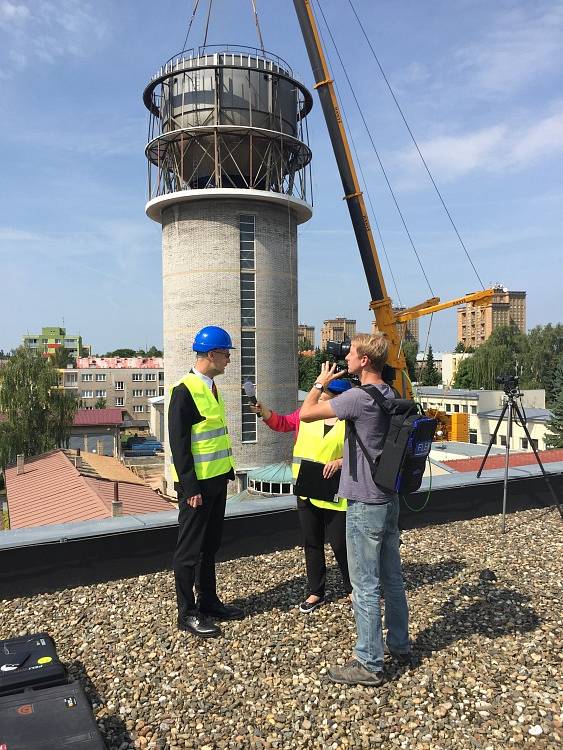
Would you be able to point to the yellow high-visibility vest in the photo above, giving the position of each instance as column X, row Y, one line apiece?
column 210, row 444
column 314, row 445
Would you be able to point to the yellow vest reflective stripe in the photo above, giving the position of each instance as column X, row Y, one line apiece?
column 210, row 442
column 314, row 445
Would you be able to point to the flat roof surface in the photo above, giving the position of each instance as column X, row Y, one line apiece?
column 486, row 669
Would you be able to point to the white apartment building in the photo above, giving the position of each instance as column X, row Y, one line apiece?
column 484, row 409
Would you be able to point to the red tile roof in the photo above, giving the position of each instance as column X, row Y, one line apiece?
column 120, row 363
column 93, row 417
column 497, row 462
column 51, row 490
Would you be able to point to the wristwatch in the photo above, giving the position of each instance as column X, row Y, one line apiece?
column 318, row 386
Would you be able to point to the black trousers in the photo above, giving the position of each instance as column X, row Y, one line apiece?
column 199, row 538
column 316, row 525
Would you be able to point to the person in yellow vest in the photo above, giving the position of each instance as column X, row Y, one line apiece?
column 321, row 441
column 202, row 464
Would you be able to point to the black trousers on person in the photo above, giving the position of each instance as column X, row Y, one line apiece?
column 199, row 538
column 316, row 525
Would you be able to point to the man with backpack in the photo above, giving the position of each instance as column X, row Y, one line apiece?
column 372, row 532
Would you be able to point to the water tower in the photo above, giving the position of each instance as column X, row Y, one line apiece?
column 228, row 178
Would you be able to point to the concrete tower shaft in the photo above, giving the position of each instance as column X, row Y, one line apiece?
column 227, row 182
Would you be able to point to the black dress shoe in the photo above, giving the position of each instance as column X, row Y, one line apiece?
column 200, row 625
column 220, row 611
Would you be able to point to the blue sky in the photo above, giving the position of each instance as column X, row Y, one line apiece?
column 479, row 82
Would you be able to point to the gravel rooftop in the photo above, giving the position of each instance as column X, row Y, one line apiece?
column 488, row 654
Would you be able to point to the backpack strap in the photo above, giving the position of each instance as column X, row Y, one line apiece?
column 354, row 438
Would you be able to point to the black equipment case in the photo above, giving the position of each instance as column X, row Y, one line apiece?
column 29, row 661
column 56, row 717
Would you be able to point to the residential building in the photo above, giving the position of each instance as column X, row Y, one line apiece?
column 123, row 382
column 337, row 329
column 306, row 335
column 483, row 409
column 476, row 323
column 411, row 330
column 54, row 337
column 62, row 487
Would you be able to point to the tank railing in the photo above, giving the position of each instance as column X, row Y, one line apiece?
column 212, row 49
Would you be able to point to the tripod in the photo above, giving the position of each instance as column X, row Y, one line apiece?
column 512, row 407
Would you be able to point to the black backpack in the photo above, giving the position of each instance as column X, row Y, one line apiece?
column 408, row 441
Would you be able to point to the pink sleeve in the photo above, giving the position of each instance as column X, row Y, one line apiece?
column 284, row 422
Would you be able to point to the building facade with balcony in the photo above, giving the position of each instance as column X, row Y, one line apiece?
column 123, row 382
column 337, row 329
column 306, row 335
column 52, row 338
column 476, row 323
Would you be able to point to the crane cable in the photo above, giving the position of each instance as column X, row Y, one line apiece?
column 257, row 22
column 376, row 151
column 359, row 163
column 196, row 5
column 207, row 22
column 438, row 193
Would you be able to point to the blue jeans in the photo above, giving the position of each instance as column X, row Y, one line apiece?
column 372, row 538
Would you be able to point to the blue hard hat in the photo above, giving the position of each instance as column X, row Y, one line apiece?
column 212, row 337
column 338, row 386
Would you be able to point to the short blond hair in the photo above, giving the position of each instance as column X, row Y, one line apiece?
column 374, row 346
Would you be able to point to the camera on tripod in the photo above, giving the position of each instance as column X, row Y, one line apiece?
column 509, row 383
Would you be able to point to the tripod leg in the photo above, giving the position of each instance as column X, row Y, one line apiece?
column 493, row 439
column 506, row 465
column 538, row 459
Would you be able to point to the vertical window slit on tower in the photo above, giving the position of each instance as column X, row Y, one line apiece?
column 247, row 226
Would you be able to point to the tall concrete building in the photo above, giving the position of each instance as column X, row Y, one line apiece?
column 337, row 329
column 52, row 338
column 306, row 334
column 411, row 329
column 228, row 183
column 475, row 324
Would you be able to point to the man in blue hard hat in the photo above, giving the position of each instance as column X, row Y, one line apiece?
column 203, row 463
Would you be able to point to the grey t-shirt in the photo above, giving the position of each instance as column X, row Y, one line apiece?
column 371, row 423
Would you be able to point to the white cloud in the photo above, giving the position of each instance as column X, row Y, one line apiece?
column 521, row 44
column 503, row 147
column 45, row 32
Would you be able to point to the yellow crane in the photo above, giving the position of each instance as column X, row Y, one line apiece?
column 387, row 321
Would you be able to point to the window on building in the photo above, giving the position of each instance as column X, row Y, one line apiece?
column 161, row 390
column 87, row 394
column 448, row 408
column 534, row 443
column 524, row 443
column 138, row 408
column 71, row 377
column 119, row 401
column 150, row 392
column 100, row 394
column 86, row 376
column 247, row 229
column 161, row 377
column 100, row 377
column 137, row 377
column 503, row 440
column 456, row 408
column 464, row 409
column 119, row 385
column 474, row 410
column 137, row 392
column 150, row 376
column 472, row 436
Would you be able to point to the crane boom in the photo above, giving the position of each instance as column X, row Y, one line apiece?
column 387, row 321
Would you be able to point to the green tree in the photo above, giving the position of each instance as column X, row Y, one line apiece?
column 153, row 352
column 121, row 353
column 501, row 354
column 540, row 358
column 429, row 374
column 554, row 436
column 61, row 358
column 410, row 349
column 100, row 403
column 38, row 413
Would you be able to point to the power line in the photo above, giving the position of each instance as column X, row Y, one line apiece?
column 438, row 193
